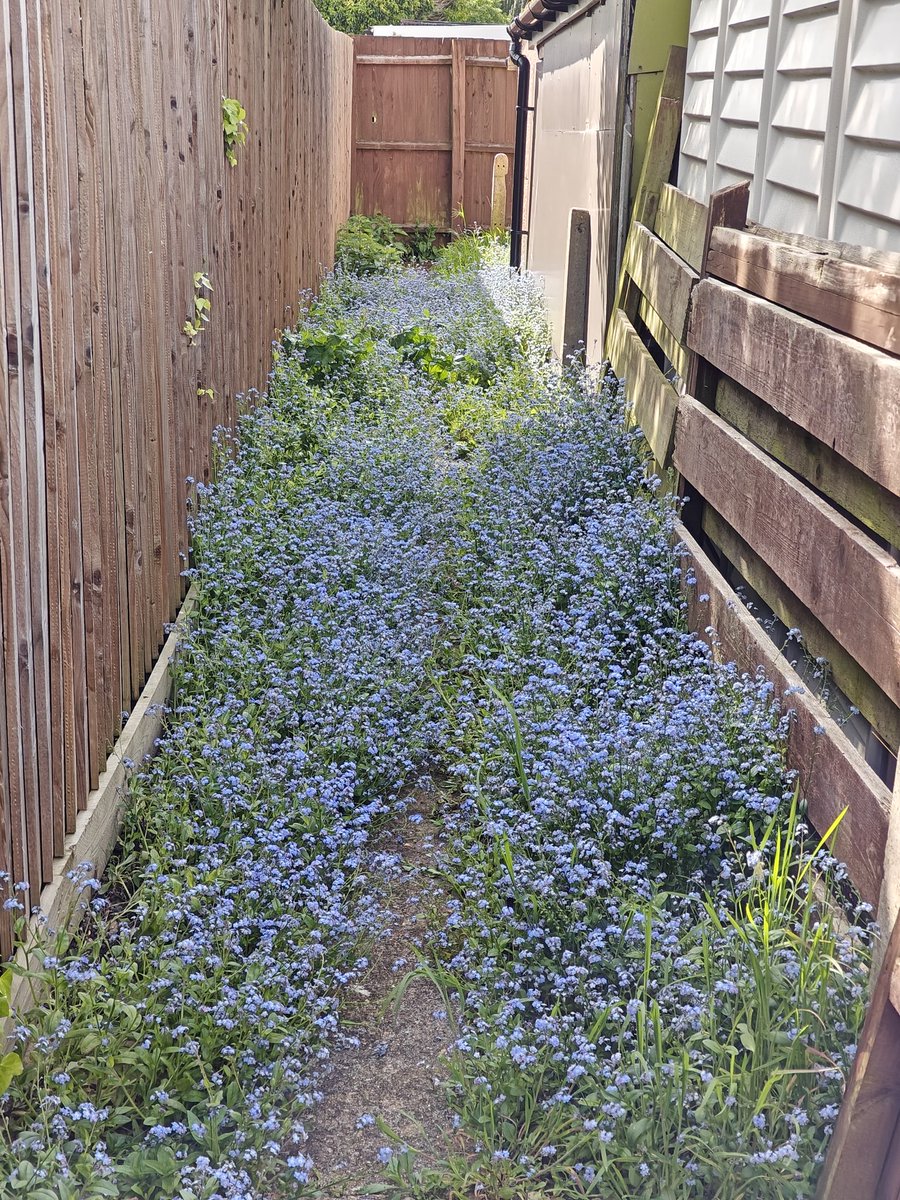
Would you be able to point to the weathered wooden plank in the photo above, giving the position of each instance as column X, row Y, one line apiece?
column 655, row 170
column 11, row 816
column 879, row 711
column 832, row 774
column 857, row 300
column 6, row 798
column 15, row 562
column 663, row 139
column 867, row 1121
column 843, row 392
column 864, row 256
column 71, row 221
column 498, row 191
column 406, row 60
column 674, row 351
column 843, row 577
column 811, row 459
column 93, row 98
column 28, row 105
column 681, row 223
column 664, row 278
column 654, row 401
column 56, row 336
column 428, row 147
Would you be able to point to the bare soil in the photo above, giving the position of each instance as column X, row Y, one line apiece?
column 393, row 1074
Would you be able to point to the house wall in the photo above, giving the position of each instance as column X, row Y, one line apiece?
column 802, row 98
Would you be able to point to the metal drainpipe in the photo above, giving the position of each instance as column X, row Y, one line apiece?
column 518, row 192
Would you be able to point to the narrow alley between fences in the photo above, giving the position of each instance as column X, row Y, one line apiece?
column 462, row 870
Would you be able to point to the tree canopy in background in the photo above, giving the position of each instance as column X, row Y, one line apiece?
column 356, row 16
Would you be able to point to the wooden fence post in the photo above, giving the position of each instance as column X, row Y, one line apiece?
column 728, row 208
column 863, row 1159
column 458, row 134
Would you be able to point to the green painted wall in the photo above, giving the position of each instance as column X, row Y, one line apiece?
column 658, row 24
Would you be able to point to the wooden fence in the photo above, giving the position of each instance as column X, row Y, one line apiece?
column 764, row 371
column 114, row 193
column 429, row 114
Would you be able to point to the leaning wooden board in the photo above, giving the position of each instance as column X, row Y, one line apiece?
column 652, row 398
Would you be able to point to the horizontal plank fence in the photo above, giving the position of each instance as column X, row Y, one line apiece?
column 114, row 196
column 764, row 370
column 429, row 117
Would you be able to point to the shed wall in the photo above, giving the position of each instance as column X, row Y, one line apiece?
column 575, row 163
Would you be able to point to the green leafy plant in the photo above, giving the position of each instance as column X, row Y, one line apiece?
column 466, row 252
column 326, row 355
column 10, row 1064
column 421, row 243
column 234, row 127
column 199, row 318
column 420, row 347
column 368, row 245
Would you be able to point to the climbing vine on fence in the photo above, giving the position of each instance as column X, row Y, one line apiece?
column 234, row 126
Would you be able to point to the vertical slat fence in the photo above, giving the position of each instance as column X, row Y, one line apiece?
column 114, row 191
column 429, row 116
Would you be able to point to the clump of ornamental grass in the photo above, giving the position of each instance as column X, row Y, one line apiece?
column 429, row 548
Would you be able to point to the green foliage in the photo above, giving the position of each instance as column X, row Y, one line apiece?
column 421, row 244
column 478, row 12
column 10, row 1064
column 131, row 1076
column 420, row 347
column 746, row 1074
column 326, row 355
column 356, row 16
column 234, row 126
column 468, row 251
column 368, row 245
column 199, row 318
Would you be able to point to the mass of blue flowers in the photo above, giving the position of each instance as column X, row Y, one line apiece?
column 431, row 557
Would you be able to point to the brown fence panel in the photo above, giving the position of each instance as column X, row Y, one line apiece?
column 429, row 114
column 114, row 192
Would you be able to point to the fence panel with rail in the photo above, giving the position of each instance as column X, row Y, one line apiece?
column 429, row 116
